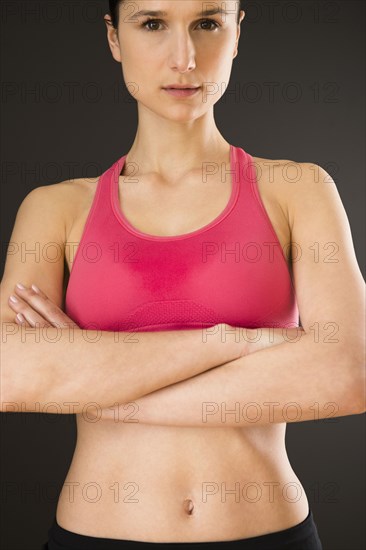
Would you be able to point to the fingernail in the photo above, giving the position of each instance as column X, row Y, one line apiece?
column 36, row 289
column 19, row 285
column 13, row 298
column 20, row 318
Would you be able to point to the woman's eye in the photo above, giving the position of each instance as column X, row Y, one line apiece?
column 149, row 22
column 156, row 21
column 212, row 22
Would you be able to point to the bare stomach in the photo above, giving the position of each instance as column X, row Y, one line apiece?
column 179, row 484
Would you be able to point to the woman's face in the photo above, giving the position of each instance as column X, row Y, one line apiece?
column 184, row 45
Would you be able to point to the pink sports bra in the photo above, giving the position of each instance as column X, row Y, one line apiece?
column 232, row 270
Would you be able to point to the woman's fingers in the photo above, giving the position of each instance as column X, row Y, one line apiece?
column 25, row 314
column 38, row 310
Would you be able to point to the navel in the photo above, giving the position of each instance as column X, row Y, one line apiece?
column 188, row 506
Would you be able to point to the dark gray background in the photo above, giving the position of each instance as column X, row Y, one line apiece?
column 300, row 81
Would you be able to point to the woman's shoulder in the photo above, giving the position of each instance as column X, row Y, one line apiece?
column 277, row 178
column 69, row 198
column 278, row 165
column 78, row 190
column 270, row 175
column 282, row 170
column 277, row 182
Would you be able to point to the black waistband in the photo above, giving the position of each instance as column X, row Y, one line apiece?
column 61, row 539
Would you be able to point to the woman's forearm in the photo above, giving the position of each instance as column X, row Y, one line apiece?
column 62, row 370
column 254, row 339
column 290, row 382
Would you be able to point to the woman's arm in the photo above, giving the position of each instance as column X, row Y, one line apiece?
column 62, row 370
column 70, row 369
column 290, row 382
column 65, row 371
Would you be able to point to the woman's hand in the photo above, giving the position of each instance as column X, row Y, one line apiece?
column 37, row 310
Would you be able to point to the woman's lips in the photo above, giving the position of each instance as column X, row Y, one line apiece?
column 181, row 92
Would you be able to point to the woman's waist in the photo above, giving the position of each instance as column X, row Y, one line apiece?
column 196, row 506
column 206, row 484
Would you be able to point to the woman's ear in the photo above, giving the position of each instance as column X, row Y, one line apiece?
column 242, row 15
column 112, row 37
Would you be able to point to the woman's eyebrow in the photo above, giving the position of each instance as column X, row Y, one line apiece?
column 160, row 13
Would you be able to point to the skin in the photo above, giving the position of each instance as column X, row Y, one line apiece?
column 166, row 467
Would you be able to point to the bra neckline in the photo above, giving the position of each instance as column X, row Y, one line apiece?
column 235, row 186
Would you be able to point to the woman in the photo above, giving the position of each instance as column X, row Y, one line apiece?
column 185, row 464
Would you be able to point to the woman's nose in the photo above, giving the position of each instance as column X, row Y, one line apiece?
column 182, row 53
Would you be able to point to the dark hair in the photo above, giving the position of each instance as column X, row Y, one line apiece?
column 114, row 10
